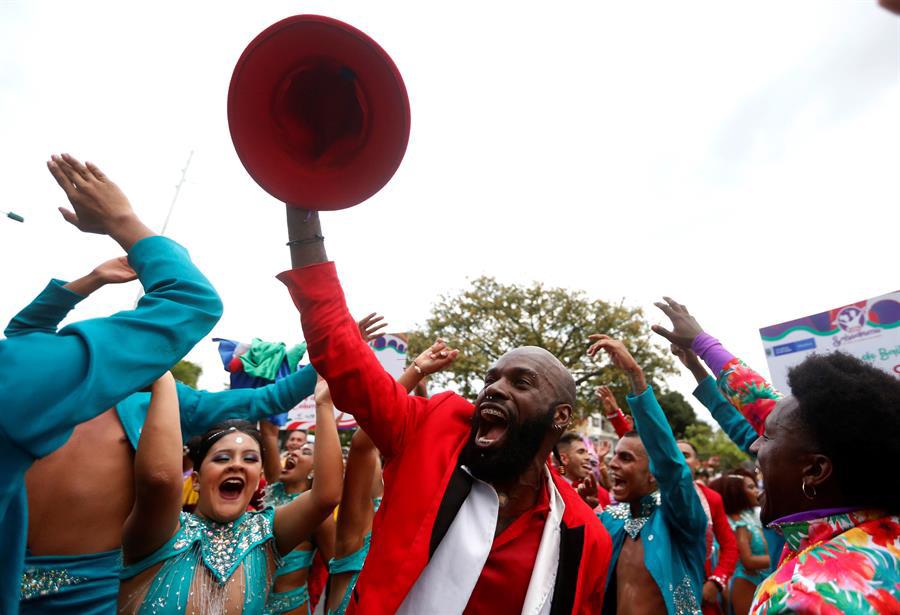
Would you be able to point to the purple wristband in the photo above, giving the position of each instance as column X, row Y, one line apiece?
column 712, row 352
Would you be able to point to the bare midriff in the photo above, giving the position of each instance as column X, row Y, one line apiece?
column 636, row 591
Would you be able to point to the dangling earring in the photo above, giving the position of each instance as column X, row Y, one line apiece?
column 804, row 486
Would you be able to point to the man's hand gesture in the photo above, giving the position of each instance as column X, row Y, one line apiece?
column 684, row 326
column 98, row 205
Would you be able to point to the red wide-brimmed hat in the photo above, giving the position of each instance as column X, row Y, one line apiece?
column 318, row 113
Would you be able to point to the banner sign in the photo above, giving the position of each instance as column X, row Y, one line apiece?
column 869, row 330
column 390, row 349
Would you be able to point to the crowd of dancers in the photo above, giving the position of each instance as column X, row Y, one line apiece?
column 443, row 504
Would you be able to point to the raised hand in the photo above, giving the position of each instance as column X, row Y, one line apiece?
column 602, row 448
column 436, row 358
column 684, row 326
column 115, row 271
column 323, row 393
column 98, row 205
column 621, row 358
column 690, row 360
column 268, row 429
column 371, row 327
column 606, row 397
column 588, row 491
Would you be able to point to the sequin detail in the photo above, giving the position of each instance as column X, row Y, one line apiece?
column 276, row 495
column 284, row 602
column 223, row 545
column 684, row 599
column 634, row 525
column 37, row 582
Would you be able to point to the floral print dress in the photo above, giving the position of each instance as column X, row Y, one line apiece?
column 842, row 563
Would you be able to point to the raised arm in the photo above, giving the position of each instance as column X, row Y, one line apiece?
column 676, row 484
column 158, row 479
column 201, row 409
column 747, row 391
column 296, row 521
column 612, row 411
column 105, row 359
column 728, row 553
column 337, row 350
column 732, row 422
column 53, row 304
column 357, row 509
column 271, row 458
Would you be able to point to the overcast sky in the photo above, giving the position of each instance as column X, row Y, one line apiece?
column 742, row 157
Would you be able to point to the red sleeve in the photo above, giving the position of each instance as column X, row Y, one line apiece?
column 620, row 423
column 603, row 498
column 728, row 551
column 359, row 385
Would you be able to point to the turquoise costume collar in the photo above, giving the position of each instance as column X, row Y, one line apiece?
column 634, row 524
column 223, row 545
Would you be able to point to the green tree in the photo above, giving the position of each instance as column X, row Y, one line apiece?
column 711, row 442
column 679, row 412
column 489, row 318
column 187, row 372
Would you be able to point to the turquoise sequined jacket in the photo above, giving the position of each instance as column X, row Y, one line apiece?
column 51, row 381
column 672, row 523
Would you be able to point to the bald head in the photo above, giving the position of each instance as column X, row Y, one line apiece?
column 548, row 367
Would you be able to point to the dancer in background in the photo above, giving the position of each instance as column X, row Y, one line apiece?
column 285, row 484
column 94, row 369
column 659, row 526
column 739, row 496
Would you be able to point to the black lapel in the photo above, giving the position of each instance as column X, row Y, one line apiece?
column 457, row 491
column 571, row 546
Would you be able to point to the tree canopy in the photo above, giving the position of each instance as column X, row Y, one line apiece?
column 187, row 372
column 490, row 318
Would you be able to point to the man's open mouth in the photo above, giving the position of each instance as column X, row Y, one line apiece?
column 231, row 488
column 492, row 425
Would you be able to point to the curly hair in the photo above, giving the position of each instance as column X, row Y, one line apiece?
column 852, row 411
column 199, row 446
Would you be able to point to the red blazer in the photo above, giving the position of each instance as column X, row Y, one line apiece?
column 421, row 440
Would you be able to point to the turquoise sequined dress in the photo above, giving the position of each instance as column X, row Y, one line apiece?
column 298, row 559
column 749, row 522
column 202, row 561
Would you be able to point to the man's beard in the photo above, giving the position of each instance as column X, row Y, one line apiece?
column 511, row 460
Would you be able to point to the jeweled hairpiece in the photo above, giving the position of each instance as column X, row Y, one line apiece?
column 224, row 431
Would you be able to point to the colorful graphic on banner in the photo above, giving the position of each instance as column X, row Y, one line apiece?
column 391, row 352
column 868, row 329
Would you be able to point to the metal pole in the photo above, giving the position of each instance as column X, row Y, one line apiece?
column 177, row 191
column 171, row 208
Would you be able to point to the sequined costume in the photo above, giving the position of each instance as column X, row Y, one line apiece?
column 51, row 381
column 840, row 563
column 751, row 523
column 671, row 521
column 298, row 559
column 201, row 561
column 351, row 563
column 74, row 583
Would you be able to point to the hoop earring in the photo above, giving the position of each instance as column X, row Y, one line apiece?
column 804, row 486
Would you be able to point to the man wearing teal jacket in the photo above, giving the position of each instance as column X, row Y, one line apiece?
column 658, row 526
column 52, row 381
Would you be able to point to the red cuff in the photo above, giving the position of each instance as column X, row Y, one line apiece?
column 312, row 283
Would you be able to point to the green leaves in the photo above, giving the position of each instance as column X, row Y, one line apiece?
column 490, row 318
